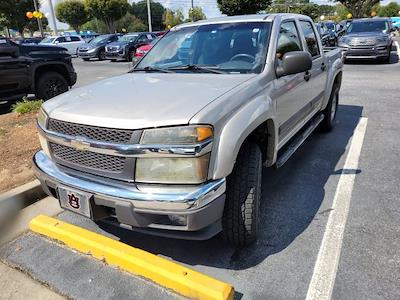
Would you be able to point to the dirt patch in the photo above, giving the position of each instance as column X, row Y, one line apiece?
column 18, row 143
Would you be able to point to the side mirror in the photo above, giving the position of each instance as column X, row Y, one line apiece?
column 294, row 62
column 56, row 42
column 12, row 51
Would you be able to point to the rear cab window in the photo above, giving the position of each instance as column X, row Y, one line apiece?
column 311, row 38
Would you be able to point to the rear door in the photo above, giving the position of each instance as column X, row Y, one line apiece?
column 14, row 76
column 75, row 42
column 318, row 73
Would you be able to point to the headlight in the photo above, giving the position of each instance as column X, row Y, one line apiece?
column 177, row 135
column 91, row 50
column 167, row 170
column 174, row 170
column 42, row 118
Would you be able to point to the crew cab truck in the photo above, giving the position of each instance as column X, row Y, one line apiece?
column 45, row 71
column 187, row 161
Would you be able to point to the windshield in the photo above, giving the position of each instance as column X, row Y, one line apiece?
column 99, row 40
column 48, row 40
column 234, row 47
column 128, row 38
column 368, row 26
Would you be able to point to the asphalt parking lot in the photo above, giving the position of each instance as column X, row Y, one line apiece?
column 326, row 185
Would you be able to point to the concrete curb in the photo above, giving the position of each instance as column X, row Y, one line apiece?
column 22, row 196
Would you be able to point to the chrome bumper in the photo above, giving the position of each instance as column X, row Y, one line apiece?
column 141, row 197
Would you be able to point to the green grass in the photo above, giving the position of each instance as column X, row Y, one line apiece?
column 27, row 106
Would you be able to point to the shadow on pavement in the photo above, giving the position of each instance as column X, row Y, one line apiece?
column 292, row 196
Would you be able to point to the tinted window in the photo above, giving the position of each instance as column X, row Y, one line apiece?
column 60, row 40
column 288, row 39
column 311, row 39
column 75, row 39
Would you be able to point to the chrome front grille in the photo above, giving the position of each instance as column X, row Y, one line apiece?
column 362, row 42
column 118, row 136
column 90, row 160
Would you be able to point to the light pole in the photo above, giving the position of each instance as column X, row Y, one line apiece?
column 39, row 20
column 149, row 15
column 53, row 17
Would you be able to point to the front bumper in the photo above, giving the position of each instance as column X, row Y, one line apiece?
column 372, row 52
column 142, row 207
column 115, row 55
column 87, row 54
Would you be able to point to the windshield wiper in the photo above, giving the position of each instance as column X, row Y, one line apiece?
column 150, row 69
column 198, row 68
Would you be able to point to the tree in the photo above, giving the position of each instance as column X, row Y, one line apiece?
column 195, row 14
column 139, row 10
column 359, row 8
column 108, row 11
column 32, row 25
column 130, row 23
column 173, row 18
column 242, row 7
column 390, row 10
column 13, row 15
column 341, row 12
column 72, row 12
column 95, row 25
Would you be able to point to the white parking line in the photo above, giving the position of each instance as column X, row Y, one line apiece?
column 325, row 268
column 397, row 47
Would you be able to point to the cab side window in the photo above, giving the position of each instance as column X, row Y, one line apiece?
column 311, row 38
column 75, row 39
column 288, row 39
column 60, row 40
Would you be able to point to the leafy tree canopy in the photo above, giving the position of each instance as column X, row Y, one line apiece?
column 108, row 11
column 13, row 14
column 359, row 8
column 173, row 18
column 242, row 7
column 157, row 12
column 390, row 10
column 72, row 12
column 195, row 14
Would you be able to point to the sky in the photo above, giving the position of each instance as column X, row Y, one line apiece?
column 210, row 7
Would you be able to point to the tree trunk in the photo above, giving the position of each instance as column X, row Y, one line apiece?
column 21, row 32
column 77, row 29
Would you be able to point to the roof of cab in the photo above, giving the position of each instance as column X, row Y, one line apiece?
column 242, row 18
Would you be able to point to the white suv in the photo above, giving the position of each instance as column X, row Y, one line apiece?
column 69, row 42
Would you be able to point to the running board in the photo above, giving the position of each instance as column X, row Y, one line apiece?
column 296, row 143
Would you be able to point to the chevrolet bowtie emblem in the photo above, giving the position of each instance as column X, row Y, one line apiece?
column 80, row 145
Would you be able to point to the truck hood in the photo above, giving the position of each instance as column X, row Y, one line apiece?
column 142, row 100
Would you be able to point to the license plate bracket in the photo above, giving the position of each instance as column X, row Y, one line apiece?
column 75, row 201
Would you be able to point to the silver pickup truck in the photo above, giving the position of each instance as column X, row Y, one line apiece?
column 176, row 147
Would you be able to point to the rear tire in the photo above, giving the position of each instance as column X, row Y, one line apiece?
column 86, row 59
column 243, row 193
column 329, row 121
column 50, row 84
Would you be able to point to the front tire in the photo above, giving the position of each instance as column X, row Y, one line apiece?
column 101, row 55
column 241, row 213
column 50, row 84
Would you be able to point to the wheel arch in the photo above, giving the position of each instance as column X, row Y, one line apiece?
column 50, row 67
column 254, row 122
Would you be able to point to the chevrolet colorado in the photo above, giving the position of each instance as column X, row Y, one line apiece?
column 186, row 162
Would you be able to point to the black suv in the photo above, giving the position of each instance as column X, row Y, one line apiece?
column 45, row 71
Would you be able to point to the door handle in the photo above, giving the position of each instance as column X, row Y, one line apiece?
column 307, row 76
column 323, row 67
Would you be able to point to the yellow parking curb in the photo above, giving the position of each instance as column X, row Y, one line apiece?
column 166, row 273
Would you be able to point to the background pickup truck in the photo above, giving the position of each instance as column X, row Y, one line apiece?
column 45, row 71
column 187, row 162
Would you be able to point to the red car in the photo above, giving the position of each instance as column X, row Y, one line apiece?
column 142, row 50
